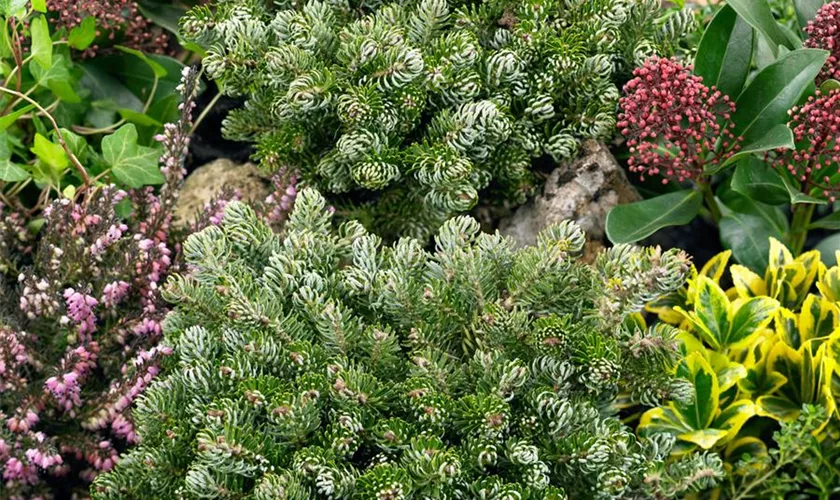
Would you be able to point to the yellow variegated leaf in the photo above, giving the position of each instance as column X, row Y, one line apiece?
column 779, row 254
column 690, row 343
column 817, row 319
column 728, row 372
column 733, row 417
column 701, row 411
column 704, row 438
column 751, row 316
column 715, row 267
column 829, row 283
column 748, row 446
column 787, row 327
column 747, row 283
column 712, row 313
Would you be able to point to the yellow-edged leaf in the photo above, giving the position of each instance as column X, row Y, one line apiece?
column 747, row 283
column 751, row 316
column 704, row 438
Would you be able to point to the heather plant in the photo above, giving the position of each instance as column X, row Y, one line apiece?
column 80, row 323
column 404, row 114
column 747, row 135
column 324, row 364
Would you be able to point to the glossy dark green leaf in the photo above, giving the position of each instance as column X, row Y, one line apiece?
column 778, row 137
column 765, row 102
column 635, row 221
column 132, row 116
column 829, row 85
column 84, row 34
column 797, row 197
column 725, row 52
column 758, row 14
column 155, row 66
column 828, row 249
column 831, row 222
column 806, row 10
column 756, row 179
column 139, row 78
column 747, row 226
column 164, row 14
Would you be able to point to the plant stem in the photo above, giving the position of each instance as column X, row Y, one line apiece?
column 711, row 202
column 802, row 215
column 205, row 112
column 75, row 161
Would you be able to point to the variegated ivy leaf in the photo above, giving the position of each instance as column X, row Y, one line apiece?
column 722, row 323
column 703, row 422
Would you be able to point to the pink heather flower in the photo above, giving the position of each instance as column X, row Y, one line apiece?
column 279, row 203
column 824, row 33
column 80, row 310
column 114, row 293
column 817, row 125
column 672, row 122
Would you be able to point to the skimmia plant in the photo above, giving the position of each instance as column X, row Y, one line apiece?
column 758, row 353
column 404, row 113
column 80, row 320
column 748, row 134
column 326, row 365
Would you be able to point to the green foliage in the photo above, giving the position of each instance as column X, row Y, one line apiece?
column 56, row 111
column 411, row 110
column 324, row 364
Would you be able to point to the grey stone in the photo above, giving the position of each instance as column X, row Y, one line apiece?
column 583, row 190
column 208, row 181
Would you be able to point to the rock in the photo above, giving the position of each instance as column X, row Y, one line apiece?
column 208, row 181
column 583, row 190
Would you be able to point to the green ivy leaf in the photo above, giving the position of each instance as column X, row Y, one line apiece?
column 50, row 153
column 9, row 172
column 84, row 34
column 758, row 14
column 57, row 78
column 133, row 165
column 6, row 121
column 39, row 5
column 764, row 104
column 725, row 52
column 41, row 42
column 756, row 179
column 634, row 221
column 13, row 8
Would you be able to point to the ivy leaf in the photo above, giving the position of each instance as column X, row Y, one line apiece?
column 756, row 179
column 41, row 42
column 133, row 165
column 725, row 52
column 39, row 5
column 50, row 153
column 765, row 102
column 9, row 172
column 57, row 78
column 13, row 8
column 6, row 121
column 83, row 35
column 634, row 221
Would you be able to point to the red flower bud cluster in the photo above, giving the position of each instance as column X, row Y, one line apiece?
column 816, row 162
column 824, row 33
column 674, row 125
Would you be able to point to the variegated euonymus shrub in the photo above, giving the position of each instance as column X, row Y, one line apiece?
column 326, row 365
column 758, row 352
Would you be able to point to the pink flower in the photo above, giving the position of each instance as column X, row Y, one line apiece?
column 824, row 33
column 672, row 122
column 817, row 125
column 80, row 310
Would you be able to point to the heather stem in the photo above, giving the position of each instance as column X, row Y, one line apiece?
column 802, row 215
column 711, row 201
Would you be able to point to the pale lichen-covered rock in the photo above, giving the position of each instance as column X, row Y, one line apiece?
column 208, row 181
column 583, row 190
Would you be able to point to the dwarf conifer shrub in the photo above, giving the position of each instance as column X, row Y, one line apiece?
column 411, row 109
column 327, row 365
